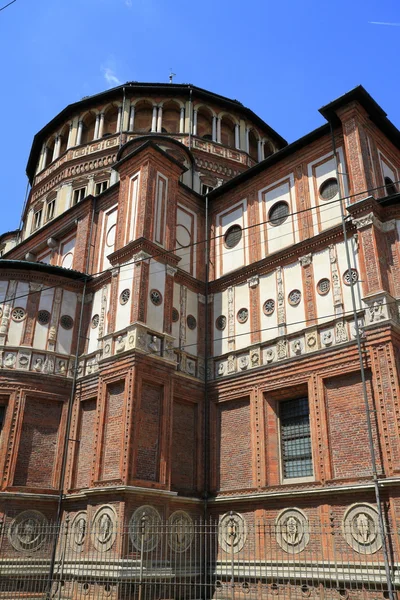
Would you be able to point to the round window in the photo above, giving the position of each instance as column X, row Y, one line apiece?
column 350, row 277
column 323, row 286
column 66, row 322
column 43, row 317
column 156, row 297
column 269, row 307
column 242, row 315
column 278, row 213
column 191, row 322
column 294, row 297
column 175, row 315
column 329, row 188
column 233, row 236
column 124, row 296
column 95, row 321
column 18, row 314
column 220, row 322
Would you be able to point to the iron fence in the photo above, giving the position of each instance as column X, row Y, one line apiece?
column 235, row 557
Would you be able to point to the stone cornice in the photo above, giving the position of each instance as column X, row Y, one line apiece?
column 143, row 245
column 281, row 258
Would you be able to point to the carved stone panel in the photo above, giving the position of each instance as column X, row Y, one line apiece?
column 292, row 530
column 78, row 531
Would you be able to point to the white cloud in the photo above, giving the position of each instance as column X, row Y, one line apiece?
column 383, row 23
column 110, row 76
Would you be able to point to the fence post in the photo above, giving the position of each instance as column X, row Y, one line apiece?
column 232, row 535
column 142, row 531
column 63, row 551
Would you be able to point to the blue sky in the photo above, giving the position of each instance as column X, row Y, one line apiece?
column 283, row 59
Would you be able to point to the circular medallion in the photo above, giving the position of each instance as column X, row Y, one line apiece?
column 175, row 315
column 269, row 307
column 220, row 322
column 232, row 532
column 124, row 296
column 323, row 286
column 294, row 297
column 191, row 322
column 360, row 528
column 66, row 322
column 144, row 528
column 180, row 531
column 292, row 530
column 95, row 321
column 242, row 315
column 28, row 531
column 350, row 277
column 43, row 317
column 78, row 531
column 18, row 314
column 104, row 528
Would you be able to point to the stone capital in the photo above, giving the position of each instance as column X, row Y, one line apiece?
column 169, row 270
column 253, row 281
column 305, row 260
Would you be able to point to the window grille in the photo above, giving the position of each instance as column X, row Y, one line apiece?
column 295, row 438
column 278, row 213
column 233, row 236
column 329, row 189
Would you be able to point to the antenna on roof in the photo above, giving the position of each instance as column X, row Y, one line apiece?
column 171, row 76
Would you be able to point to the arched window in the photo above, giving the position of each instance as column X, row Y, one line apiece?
column 227, row 132
column 50, row 152
column 267, row 149
column 143, row 116
column 253, row 145
column 64, row 139
column 171, row 117
column 110, row 121
column 89, row 122
column 390, row 186
column 204, row 124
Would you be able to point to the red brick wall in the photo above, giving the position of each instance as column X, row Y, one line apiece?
column 86, row 444
column 112, row 441
column 347, row 426
column 148, row 453
column 37, row 448
column 183, row 468
column 235, row 459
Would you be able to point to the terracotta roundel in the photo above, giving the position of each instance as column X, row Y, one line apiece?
column 292, row 530
column 232, row 532
column 144, row 528
column 28, row 531
column 78, row 531
column 104, row 528
column 182, row 236
column 180, row 530
column 360, row 528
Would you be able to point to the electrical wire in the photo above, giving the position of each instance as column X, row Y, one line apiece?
column 7, row 5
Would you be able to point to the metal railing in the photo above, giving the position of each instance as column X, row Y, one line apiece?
column 234, row 557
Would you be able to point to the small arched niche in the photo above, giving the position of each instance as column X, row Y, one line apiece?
column 171, row 117
column 204, row 123
column 253, row 145
column 227, row 131
column 143, row 117
column 64, row 139
column 88, row 126
column 110, row 120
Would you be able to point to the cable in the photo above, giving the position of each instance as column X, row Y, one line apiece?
column 9, row 4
